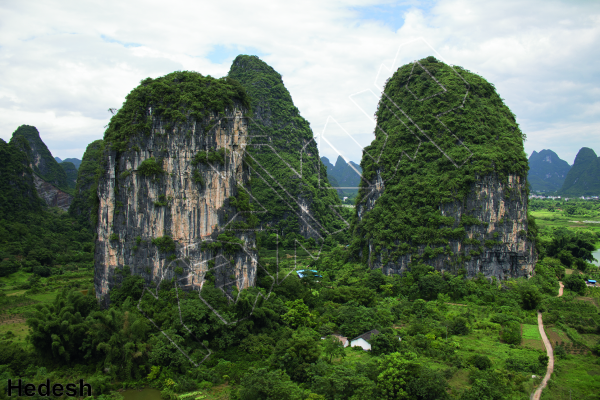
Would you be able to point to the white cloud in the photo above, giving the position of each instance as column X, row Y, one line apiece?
column 65, row 63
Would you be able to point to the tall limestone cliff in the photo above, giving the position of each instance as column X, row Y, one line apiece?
column 85, row 202
column 445, row 179
column 289, row 182
column 173, row 191
column 50, row 178
column 583, row 178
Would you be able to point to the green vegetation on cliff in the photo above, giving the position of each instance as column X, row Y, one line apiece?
column 286, row 158
column 583, row 178
column 44, row 165
column 436, row 136
column 85, row 202
column 172, row 98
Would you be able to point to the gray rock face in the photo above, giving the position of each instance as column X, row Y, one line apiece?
column 501, row 209
column 53, row 196
column 136, row 208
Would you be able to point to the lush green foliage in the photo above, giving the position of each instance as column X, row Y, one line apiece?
column 164, row 243
column 481, row 138
column 173, row 98
column 150, row 166
column 282, row 133
column 211, row 156
column 17, row 192
column 31, row 237
column 584, row 176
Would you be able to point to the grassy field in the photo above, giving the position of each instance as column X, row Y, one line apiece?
column 557, row 219
column 18, row 299
column 577, row 377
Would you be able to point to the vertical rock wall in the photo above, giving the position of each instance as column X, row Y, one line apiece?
column 497, row 246
column 136, row 208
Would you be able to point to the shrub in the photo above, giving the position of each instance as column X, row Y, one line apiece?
column 575, row 283
column 481, row 362
column 150, row 167
column 165, row 244
column 196, row 177
column 511, row 333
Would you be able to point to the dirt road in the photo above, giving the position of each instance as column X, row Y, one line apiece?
column 538, row 393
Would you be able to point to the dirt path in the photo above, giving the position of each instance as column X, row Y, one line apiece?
column 538, row 393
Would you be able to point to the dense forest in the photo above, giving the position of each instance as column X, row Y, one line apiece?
column 433, row 334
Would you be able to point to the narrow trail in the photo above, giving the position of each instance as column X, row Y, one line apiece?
column 538, row 392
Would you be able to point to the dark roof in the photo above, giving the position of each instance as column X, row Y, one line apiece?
column 367, row 335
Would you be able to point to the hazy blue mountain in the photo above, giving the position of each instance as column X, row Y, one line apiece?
column 583, row 178
column 547, row 172
column 343, row 175
column 76, row 162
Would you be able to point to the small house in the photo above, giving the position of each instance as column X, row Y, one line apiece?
column 363, row 340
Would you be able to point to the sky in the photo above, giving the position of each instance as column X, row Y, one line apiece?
column 63, row 63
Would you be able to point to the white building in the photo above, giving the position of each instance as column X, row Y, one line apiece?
column 363, row 339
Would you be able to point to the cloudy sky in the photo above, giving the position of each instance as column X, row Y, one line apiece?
column 64, row 63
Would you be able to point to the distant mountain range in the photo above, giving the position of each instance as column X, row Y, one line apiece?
column 343, row 175
column 548, row 173
column 76, row 162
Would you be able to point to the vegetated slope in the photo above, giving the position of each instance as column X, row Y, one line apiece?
column 31, row 237
column 76, row 162
column 71, row 172
column 583, row 178
column 172, row 194
column 446, row 177
column 547, row 171
column 44, row 165
column 288, row 179
column 85, row 203
column 345, row 174
column 17, row 190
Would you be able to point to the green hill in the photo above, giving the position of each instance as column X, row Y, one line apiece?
column 289, row 180
column 76, row 162
column 445, row 146
column 17, row 191
column 44, row 165
column 583, row 178
column 547, row 171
